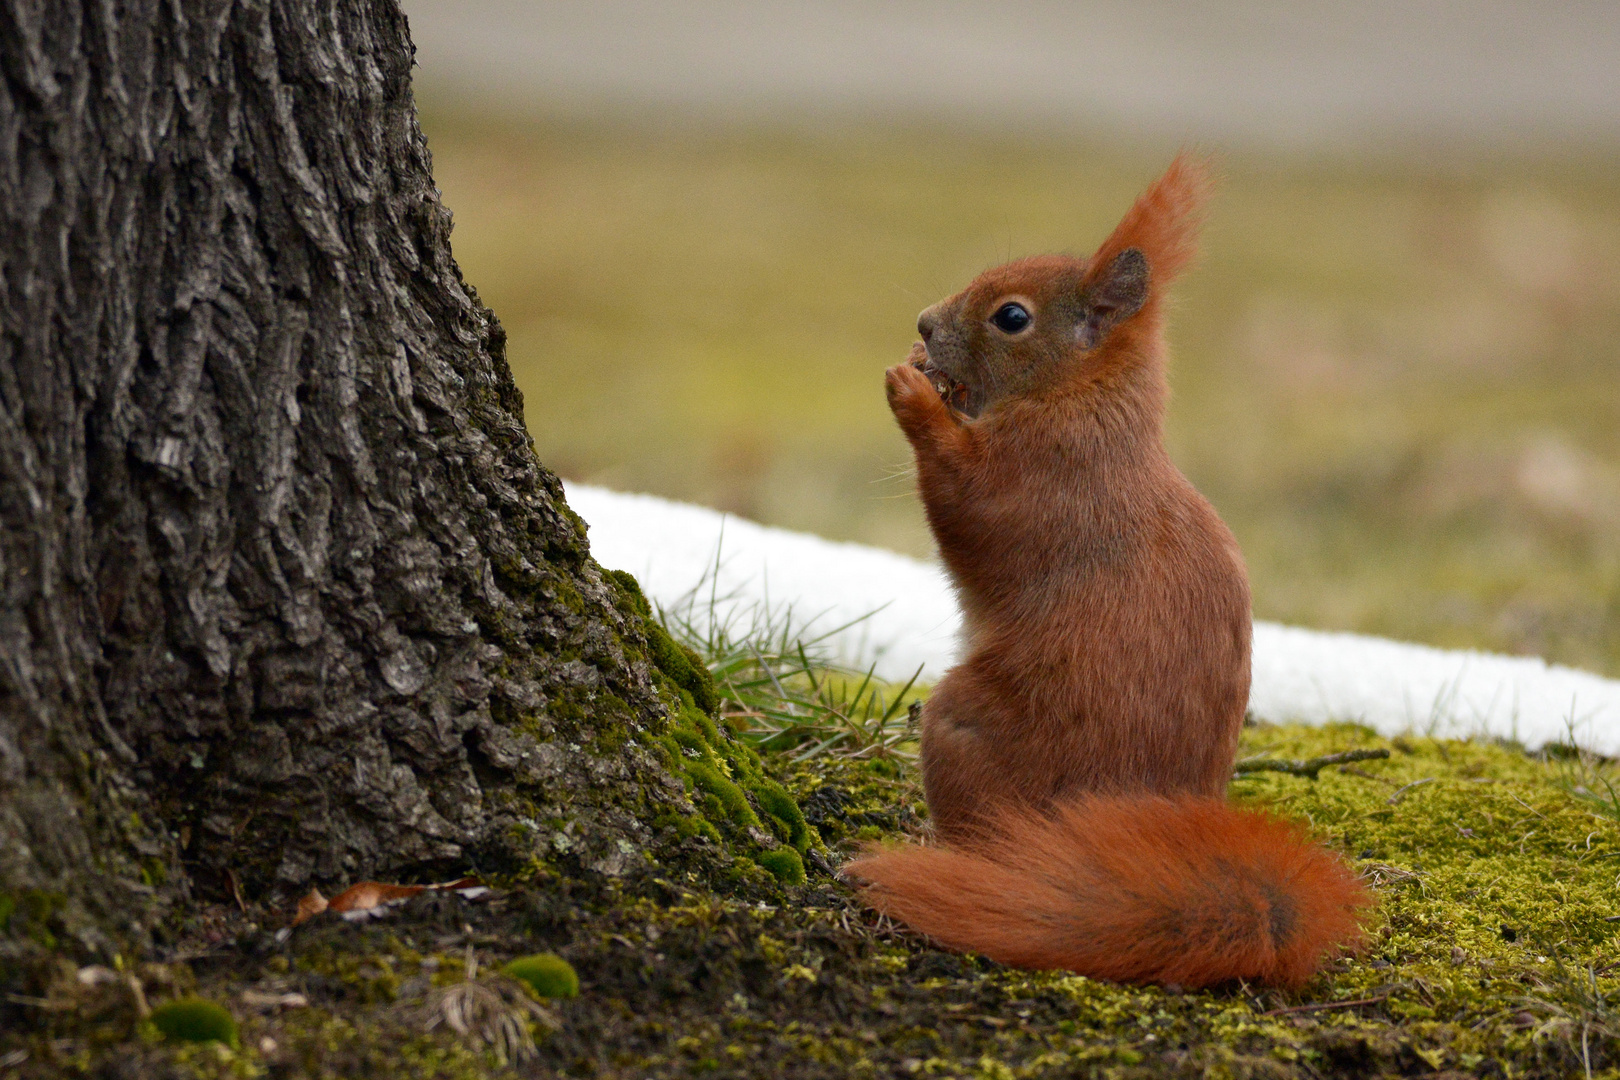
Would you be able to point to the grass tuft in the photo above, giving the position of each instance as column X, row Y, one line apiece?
column 783, row 689
column 1585, row 775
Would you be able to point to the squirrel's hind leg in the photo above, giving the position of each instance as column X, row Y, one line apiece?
column 964, row 777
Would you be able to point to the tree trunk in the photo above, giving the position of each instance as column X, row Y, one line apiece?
column 285, row 596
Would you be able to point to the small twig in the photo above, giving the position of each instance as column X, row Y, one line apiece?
column 1381, row 873
column 1527, row 806
column 1351, row 770
column 1320, row 1005
column 236, row 890
column 1400, row 792
column 36, row 1002
column 1305, row 768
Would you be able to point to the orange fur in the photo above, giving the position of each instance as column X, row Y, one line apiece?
column 1137, row 888
column 1106, row 641
column 1164, row 221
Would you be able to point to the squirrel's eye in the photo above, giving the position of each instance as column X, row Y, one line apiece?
column 1010, row 318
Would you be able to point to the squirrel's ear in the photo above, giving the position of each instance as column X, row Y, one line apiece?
column 1162, row 224
column 1114, row 296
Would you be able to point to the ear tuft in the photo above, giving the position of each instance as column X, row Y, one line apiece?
column 1114, row 296
column 1162, row 225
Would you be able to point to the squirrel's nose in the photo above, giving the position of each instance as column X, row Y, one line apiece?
column 927, row 323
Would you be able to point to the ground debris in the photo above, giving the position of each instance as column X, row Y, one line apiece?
column 1489, row 955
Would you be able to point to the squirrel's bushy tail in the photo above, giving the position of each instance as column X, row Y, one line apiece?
column 1186, row 890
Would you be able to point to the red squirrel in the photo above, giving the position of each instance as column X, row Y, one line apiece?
column 1075, row 762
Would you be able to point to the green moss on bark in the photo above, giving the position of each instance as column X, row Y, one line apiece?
column 737, row 803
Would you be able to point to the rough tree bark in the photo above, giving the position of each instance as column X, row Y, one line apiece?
column 285, row 596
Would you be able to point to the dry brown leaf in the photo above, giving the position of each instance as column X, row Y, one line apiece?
column 370, row 894
column 311, row 905
column 367, row 895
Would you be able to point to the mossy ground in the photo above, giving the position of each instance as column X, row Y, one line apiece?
column 1492, row 952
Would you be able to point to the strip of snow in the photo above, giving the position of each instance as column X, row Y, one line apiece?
column 880, row 608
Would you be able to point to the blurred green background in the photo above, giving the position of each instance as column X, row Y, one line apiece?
column 1396, row 374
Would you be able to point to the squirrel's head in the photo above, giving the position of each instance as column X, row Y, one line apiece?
column 1048, row 320
column 1025, row 325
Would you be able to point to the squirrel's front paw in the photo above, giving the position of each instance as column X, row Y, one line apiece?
column 914, row 402
column 907, row 386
